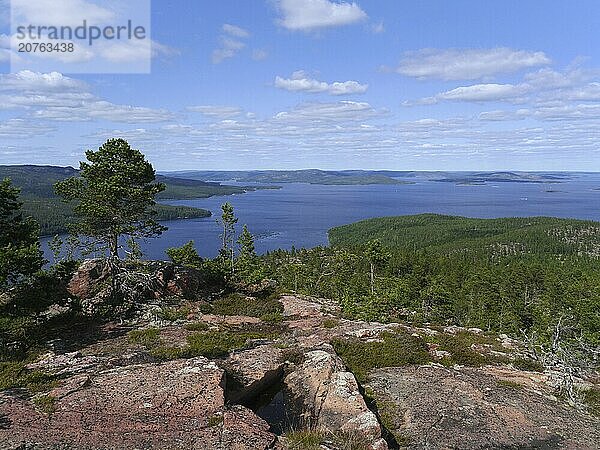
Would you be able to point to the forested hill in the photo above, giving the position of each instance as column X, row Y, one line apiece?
column 310, row 176
column 496, row 237
column 39, row 181
column 37, row 193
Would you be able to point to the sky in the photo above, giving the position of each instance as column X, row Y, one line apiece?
column 292, row 84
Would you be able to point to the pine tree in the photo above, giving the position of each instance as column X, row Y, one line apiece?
column 248, row 265
column 227, row 221
column 20, row 253
column 113, row 196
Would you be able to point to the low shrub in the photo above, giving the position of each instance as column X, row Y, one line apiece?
column 395, row 349
column 148, row 337
column 240, row 305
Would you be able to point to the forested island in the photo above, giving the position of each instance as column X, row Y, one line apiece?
column 427, row 316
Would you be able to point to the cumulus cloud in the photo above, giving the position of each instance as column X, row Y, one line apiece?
column 35, row 82
column 54, row 96
column 62, row 13
column 467, row 64
column 301, row 82
column 308, row 15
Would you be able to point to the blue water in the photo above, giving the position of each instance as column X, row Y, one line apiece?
column 301, row 214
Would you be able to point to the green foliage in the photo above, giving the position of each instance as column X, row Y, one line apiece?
column 460, row 347
column 148, row 337
column 186, row 255
column 16, row 375
column 45, row 403
column 196, row 326
column 304, row 439
column 20, row 254
column 309, row 439
column 492, row 238
column 216, row 344
column 247, row 265
column 330, row 323
column 591, row 397
column 503, row 275
column 227, row 221
column 114, row 195
column 396, row 349
column 239, row 305
column 172, row 314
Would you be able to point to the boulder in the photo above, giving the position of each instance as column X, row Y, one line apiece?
column 137, row 283
column 331, row 397
column 85, row 281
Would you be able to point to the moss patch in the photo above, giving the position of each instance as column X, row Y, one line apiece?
column 395, row 349
column 240, row 305
column 527, row 364
column 591, row 397
column 330, row 323
column 148, row 337
column 213, row 343
column 16, row 375
column 460, row 345
column 45, row 403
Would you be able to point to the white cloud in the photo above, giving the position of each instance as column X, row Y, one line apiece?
column 235, row 31
column 378, row 28
column 53, row 96
column 501, row 115
column 259, row 54
column 467, row 64
column 60, row 13
column 21, row 128
column 338, row 111
column 308, row 15
column 34, row 82
column 104, row 110
column 480, row 93
column 221, row 112
column 300, row 82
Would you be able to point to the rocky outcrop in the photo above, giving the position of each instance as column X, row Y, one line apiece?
column 433, row 407
column 138, row 283
column 331, row 397
column 253, row 371
column 115, row 391
column 171, row 405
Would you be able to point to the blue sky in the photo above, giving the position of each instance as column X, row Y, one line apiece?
column 289, row 84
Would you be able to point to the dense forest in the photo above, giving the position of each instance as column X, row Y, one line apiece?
column 537, row 278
